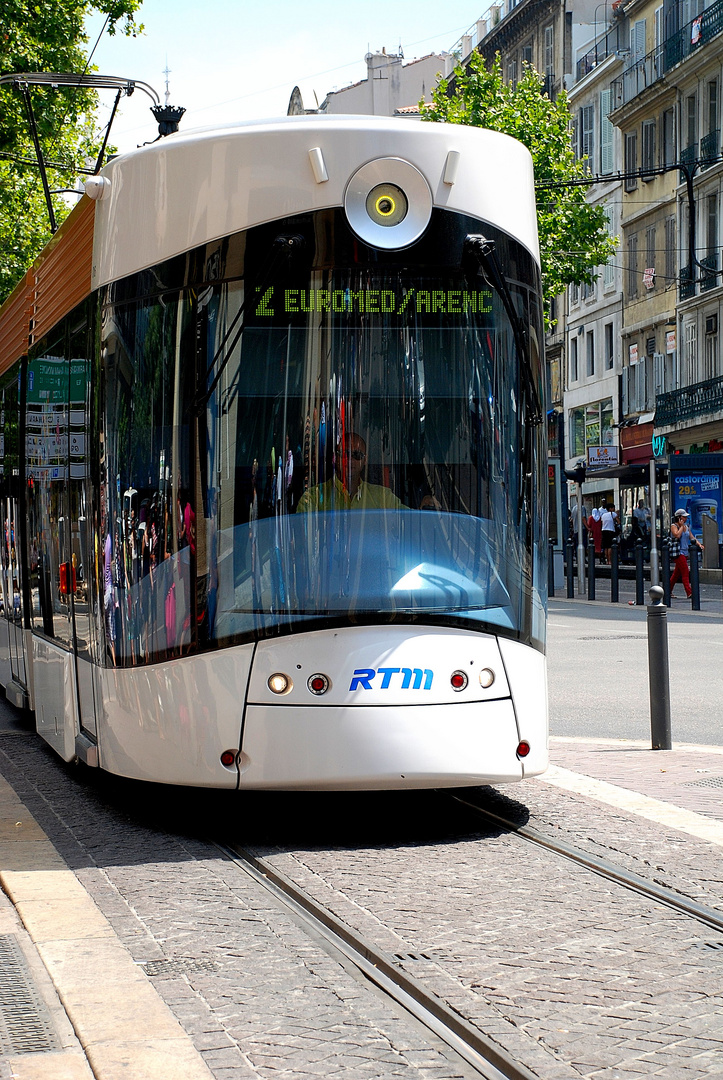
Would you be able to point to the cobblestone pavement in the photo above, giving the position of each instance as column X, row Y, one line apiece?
column 576, row 977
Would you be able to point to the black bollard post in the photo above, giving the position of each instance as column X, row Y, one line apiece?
column 639, row 574
column 665, row 570
column 551, row 568
column 658, row 671
column 570, row 570
column 614, row 564
column 694, row 580
column 591, row 570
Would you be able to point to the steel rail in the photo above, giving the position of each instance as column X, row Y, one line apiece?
column 608, row 870
column 487, row 1058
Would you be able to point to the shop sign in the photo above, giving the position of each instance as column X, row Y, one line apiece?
column 670, row 341
column 633, row 353
column 602, row 457
column 649, row 277
column 698, row 493
column 660, row 446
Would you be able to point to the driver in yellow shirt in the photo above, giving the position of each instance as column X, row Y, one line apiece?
column 358, row 494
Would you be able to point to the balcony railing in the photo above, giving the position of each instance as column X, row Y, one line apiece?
column 709, row 276
column 689, row 401
column 650, row 68
column 600, row 51
column 686, row 283
column 709, row 148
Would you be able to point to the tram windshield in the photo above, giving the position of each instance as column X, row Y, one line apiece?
column 364, row 447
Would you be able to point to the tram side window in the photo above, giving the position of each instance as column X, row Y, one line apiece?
column 11, row 595
column 149, row 494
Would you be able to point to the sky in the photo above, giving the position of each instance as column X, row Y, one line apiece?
column 234, row 60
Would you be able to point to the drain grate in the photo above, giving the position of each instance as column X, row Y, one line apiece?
column 182, row 966
column 431, row 957
column 708, row 781
column 25, row 1024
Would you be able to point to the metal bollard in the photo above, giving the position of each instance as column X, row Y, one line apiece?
column 658, row 671
column 570, row 569
column 591, row 570
column 665, row 569
column 639, row 574
column 694, row 580
column 614, row 572
column 550, row 568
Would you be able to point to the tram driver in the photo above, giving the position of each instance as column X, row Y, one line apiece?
column 358, row 494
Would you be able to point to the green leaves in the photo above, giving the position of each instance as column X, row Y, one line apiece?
column 573, row 234
column 45, row 35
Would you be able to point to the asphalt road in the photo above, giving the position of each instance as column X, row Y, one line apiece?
column 598, row 670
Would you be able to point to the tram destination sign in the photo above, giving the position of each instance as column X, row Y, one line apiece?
column 277, row 300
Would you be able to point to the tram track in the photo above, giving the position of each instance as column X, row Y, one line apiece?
column 602, row 867
column 486, row 1057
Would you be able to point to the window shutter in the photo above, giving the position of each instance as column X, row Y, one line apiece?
column 606, row 132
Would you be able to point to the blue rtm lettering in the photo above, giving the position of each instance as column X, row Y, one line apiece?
column 411, row 678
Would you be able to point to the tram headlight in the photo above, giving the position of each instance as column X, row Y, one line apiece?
column 278, row 683
column 486, row 678
column 318, row 684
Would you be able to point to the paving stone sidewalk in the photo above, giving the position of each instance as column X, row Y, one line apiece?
column 690, row 777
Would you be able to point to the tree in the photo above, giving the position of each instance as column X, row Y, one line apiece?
column 573, row 234
column 44, row 35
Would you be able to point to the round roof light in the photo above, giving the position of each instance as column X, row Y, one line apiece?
column 388, row 203
column 523, row 749
column 486, row 677
column 228, row 758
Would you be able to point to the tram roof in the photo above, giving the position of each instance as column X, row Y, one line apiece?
column 200, row 185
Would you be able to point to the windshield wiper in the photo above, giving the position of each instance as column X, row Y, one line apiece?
column 479, row 253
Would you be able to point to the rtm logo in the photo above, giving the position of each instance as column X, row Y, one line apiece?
column 362, row 678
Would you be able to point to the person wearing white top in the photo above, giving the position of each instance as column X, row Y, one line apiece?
column 609, row 521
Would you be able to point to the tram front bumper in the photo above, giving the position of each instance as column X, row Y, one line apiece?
column 379, row 747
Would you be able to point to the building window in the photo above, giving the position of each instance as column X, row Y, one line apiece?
column 631, row 160
column 573, row 360
column 550, row 54
column 671, row 260
column 590, row 353
column 609, row 271
column 526, row 53
column 609, row 347
column 713, row 124
column 606, row 132
column 667, row 136
column 650, row 257
column 691, row 353
column 711, row 356
column 633, row 266
column 691, row 121
column 587, row 123
column 712, row 225
column 512, row 73
column 637, row 40
column 591, row 425
column 648, row 162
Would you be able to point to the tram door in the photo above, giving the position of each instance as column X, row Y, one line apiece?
column 81, row 555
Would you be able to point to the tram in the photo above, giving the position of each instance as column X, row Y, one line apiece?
column 273, row 462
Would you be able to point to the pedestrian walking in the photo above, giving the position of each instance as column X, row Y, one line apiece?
column 681, row 540
column 594, row 528
column 609, row 523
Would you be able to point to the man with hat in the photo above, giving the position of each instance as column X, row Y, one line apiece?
column 680, row 540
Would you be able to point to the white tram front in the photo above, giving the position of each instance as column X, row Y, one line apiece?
column 273, row 485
